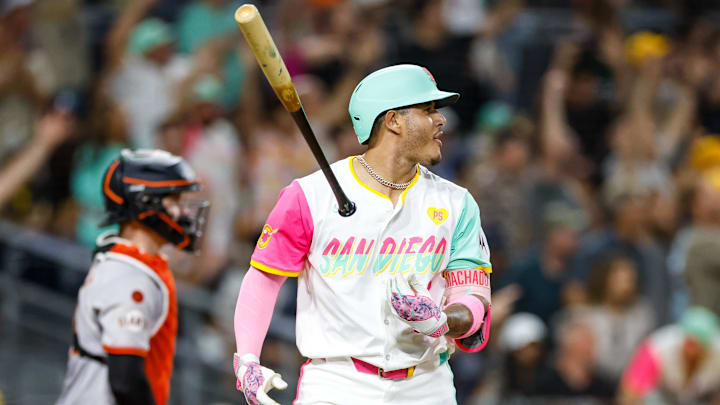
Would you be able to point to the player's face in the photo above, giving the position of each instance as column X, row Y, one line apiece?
column 422, row 141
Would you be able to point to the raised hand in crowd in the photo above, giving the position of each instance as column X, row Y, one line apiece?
column 50, row 131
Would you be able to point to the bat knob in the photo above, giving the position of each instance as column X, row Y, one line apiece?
column 347, row 209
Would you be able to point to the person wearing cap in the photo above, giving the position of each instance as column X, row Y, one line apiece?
column 677, row 364
column 522, row 341
column 145, row 72
column 211, row 145
column 702, row 263
column 384, row 295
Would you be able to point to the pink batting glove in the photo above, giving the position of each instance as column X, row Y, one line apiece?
column 412, row 303
column 255, row 380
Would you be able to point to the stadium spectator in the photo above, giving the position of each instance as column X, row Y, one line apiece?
column 703, row 216
column 21, row 92
column 522, row 342
column 211, row 145
column 204, row 21
column 143, row 71
column 702, row 271
column 571, row 376
column 628, row 233
column 543, row 275
column 619, row 316
column 501, row 183
column 679, row 363
column 105, row 136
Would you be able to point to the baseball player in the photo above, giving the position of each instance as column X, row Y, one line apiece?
column 384, row 295
column 125, row 322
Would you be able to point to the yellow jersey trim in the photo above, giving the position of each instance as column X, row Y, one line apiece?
column 487, row 270
column 271, row 270
column 412, row 183
column 352, row 170
column 417, row 176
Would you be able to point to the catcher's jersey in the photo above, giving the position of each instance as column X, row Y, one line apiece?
column 343, row 263
column 127, row 305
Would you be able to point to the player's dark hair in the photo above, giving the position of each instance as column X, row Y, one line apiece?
column 375, row 129
column 377, row 124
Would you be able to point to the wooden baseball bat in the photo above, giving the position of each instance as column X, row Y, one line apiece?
column 263, row 47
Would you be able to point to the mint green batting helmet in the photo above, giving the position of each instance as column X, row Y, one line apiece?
column 393, row 87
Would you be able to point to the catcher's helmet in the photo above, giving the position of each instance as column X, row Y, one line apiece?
column 133, row 188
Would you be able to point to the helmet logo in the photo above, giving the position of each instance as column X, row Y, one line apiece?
column 431, row 76
column 267, row 233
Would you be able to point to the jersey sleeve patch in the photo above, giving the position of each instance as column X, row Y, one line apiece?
column 126, row 328
column 469, row 248
column 129, row 310
column 285, row 240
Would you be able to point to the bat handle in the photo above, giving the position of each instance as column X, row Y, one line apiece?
column 345, row 206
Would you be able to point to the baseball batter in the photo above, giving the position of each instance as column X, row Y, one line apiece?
column 125, row 321
column 384, row 295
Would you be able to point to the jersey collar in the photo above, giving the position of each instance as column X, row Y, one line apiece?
column 372, row 190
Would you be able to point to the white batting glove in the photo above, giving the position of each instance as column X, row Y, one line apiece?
column 255, row 380
column 412, row 303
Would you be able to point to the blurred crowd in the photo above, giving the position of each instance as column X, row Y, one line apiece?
column 587, row 131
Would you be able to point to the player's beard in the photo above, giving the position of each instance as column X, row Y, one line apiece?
column 418, row 144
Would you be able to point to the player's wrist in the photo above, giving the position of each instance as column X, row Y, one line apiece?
column 441, row 328
column 247, row 358
column 240, row 365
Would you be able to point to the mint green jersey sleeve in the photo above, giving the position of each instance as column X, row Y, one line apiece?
column 469, row 248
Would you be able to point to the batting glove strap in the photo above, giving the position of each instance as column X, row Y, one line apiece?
column 255, row 380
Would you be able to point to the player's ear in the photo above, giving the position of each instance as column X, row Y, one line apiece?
column 394, row 122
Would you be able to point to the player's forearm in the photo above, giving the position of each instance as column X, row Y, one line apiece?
column 128, row 381
column 254, row 309
column 460, row 318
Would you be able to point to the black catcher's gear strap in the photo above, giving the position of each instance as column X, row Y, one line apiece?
column 81, row 351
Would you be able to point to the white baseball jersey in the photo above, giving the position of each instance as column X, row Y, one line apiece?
column 126, row 306
column 343, row 263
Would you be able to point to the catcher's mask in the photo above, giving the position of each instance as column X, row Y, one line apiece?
column 135, row 186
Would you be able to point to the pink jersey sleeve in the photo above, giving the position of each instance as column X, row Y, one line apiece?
column 643, row 373
column 285, row 240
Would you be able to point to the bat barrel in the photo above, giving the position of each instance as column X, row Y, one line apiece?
column 263, row 47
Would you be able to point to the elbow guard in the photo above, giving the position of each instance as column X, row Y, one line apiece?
column 462, row 286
